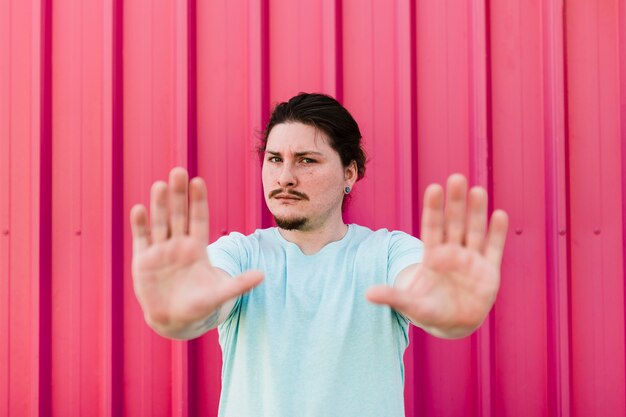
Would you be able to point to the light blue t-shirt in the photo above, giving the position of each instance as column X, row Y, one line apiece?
column 306, row 342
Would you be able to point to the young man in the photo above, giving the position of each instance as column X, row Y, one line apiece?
column 313, row 314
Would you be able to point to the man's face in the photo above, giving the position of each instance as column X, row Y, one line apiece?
column 303, row 178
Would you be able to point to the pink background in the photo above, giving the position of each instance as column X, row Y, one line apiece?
column 100, row 98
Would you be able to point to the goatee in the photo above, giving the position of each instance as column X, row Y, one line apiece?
column 291, row 224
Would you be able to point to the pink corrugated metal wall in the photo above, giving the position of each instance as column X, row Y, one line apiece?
column 100, row 98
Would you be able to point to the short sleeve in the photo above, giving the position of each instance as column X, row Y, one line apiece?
column 226, row 253
column 404, row 250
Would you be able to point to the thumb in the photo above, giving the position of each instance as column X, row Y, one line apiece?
column 233, row 287
column 384, row 294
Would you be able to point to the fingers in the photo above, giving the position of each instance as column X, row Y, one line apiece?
column 454, row 214
column 463, row 221
column 169, row 211
column 178, row 182
column 198, row 211
column 476, row 219
column 158, row 212
column 497, row 235
column 139, row 228
column 432, row 216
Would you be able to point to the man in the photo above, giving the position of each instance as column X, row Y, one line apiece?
column 315, row 320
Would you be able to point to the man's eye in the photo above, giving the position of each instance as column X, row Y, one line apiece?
column 273, row 159
column 308, row 160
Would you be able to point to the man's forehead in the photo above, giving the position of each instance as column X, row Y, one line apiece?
column 295, row 152
column 297, row 138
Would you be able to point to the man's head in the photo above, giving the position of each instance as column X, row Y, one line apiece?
column 318, row 124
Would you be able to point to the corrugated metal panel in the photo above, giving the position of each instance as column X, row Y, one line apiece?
column 596, row 215
column 99, row 99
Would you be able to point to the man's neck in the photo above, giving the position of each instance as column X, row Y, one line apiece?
column 312, row 241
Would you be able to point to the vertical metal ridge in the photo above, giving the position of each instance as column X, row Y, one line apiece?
column 479, row 175
column 622, row 83
column 182, row 85
column 192, row 85
column 106, row 363
column 414, row 136
column 489, row 103
column 192, row 167
column 490, row 187
column 416, row 224
column 568, row 221
column 330, row 42
column 116, row 248
column 407, row 211
column 556, row 210
column 180, row 378
column 339, row 50
column 41, row 300
column 261, row 63
column 265, row 62
column 478, row 61
column 5, row 209
column 404, row 123
column 113, row 184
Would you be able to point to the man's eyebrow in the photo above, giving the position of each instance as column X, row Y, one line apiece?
column 297, row 153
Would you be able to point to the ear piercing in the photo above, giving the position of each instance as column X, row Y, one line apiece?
column 347, row 190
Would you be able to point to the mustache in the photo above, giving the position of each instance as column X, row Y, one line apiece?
column 290, row 192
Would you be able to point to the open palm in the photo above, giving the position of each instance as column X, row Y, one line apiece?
column 451, row 292
column 173, row 279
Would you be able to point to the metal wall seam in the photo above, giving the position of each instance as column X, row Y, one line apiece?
column 405, row 145
column 192, row 86
column 479, row 174
column 5, row 205
column 41, row 181
column 119, row 215
column 180, row 141
column 259, row 71
column 332, row 43
column 622, row 80
column 405, row 115
column 106, row 361
column 259, row 101
column 557, row 208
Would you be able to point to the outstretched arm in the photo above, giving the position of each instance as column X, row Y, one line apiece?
column 451, row 293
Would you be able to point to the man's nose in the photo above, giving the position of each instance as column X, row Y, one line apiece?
column 286, row 178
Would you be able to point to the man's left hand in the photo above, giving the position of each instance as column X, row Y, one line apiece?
column 450, row 294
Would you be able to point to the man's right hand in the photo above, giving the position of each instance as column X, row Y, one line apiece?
column 181, row 294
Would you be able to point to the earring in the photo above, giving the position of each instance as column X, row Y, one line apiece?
column 347, row 190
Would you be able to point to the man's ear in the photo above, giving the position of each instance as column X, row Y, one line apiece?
column 351, row 172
